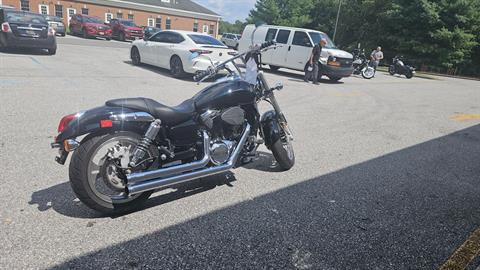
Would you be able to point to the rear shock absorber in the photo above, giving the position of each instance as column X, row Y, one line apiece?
column 142, row 148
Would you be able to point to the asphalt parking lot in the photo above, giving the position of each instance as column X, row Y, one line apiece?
column 386, row 176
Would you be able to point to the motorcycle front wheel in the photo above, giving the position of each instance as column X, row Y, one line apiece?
column 95, row 174
column 283, row 152
column 391, row 70
column 368, row 73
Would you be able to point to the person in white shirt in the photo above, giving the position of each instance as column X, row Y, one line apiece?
column 376, row 56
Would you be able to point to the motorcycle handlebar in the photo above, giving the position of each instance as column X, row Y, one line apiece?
column 212, row 70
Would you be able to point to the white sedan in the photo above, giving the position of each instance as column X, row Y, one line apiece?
column 181, row 52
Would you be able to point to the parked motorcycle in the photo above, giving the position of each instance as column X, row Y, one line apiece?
column 361, row 65
column 134, row 146
column 399, row 67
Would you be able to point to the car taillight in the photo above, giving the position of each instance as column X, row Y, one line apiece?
column 6, row 27
column 64, row 122
column 51, row 31
column 200, row 51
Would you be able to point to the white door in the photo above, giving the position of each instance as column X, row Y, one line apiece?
column 279, row 55
column 70, row 13
column 299, row 51
column 157, row 50
column 205, row 29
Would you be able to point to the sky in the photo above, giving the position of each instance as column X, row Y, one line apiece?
column 230, row 10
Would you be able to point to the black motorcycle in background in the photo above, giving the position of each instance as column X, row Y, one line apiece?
column 134, row 146
column 361, row 65
column 399, row 67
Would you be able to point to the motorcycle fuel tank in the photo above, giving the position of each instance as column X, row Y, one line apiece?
column 224, row 94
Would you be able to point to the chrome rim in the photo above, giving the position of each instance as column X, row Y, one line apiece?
column 103, row 176
column 369, row 72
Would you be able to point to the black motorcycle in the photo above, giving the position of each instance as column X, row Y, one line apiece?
column 361, row 65
column 399, row 67
column 134, row 146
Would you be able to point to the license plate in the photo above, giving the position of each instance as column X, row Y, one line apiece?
column 101, row 33
column 30, row 32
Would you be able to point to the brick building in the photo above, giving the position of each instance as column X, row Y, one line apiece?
column 164, row 14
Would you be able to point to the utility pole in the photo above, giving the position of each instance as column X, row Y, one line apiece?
column 336, row 23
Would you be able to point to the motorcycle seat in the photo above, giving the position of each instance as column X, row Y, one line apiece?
column 168, row 115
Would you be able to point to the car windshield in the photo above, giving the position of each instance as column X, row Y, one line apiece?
column 238, row 36
column 205, row 40
column 316, row 36
column 128, row 23
column 24, row 17
column 92, row 20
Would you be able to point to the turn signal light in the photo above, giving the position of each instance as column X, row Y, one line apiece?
column 64, row 122
column 334, row 63
column 6, row 27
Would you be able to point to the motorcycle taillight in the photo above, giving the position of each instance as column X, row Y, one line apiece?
column 64, row 122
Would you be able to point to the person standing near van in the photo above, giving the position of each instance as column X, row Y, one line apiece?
column 313, row 62
column 376, row 56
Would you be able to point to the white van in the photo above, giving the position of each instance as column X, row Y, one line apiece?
column 297, row 48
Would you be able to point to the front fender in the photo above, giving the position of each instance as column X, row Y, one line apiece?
column 271, row 129
column 89, row 122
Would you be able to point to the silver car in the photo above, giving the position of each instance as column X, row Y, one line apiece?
column 231, row 40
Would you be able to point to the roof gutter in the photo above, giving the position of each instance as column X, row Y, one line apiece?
column 145, row 7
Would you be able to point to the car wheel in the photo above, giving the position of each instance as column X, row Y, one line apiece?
column 63, row 34
column 176, row 67
column 334, row 79
column 52, row 51
column 135, row 56
column 108, row 39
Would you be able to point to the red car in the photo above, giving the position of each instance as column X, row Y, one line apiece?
column 125, row 29
column 89, row 26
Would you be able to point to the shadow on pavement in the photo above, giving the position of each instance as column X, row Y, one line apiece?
column 409, row 209
column 298, row 77
column 61, row 198
column 161, row 71
column 25, row 51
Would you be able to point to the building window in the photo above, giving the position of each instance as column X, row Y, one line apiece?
column 59, row 11
column 130, row 17
column 25, row 5
column 205, row 29
column 108, row 17
column 210, row 31
column 158, row 23
column 195, row 26
column 168, row 24
column 119, row 15
column 150, row 22
column 85, row 11
column 43, row 9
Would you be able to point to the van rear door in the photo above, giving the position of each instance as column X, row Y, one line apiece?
column 270, row 35
column 300, row 51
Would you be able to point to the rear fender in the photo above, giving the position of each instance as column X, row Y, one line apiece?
column 270, row 128
column 90, row 122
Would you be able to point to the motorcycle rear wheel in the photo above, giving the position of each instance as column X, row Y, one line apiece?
column 89, row 164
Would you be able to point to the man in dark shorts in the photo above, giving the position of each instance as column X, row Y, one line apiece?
column 313, row 62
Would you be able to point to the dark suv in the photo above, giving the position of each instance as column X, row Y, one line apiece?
column 20, row 29
column 89, row 26
column 125, row 29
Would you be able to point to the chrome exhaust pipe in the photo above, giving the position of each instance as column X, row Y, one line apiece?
column 139, row 187
column 164, row 172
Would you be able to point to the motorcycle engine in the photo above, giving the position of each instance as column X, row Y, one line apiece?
column 226, row 127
